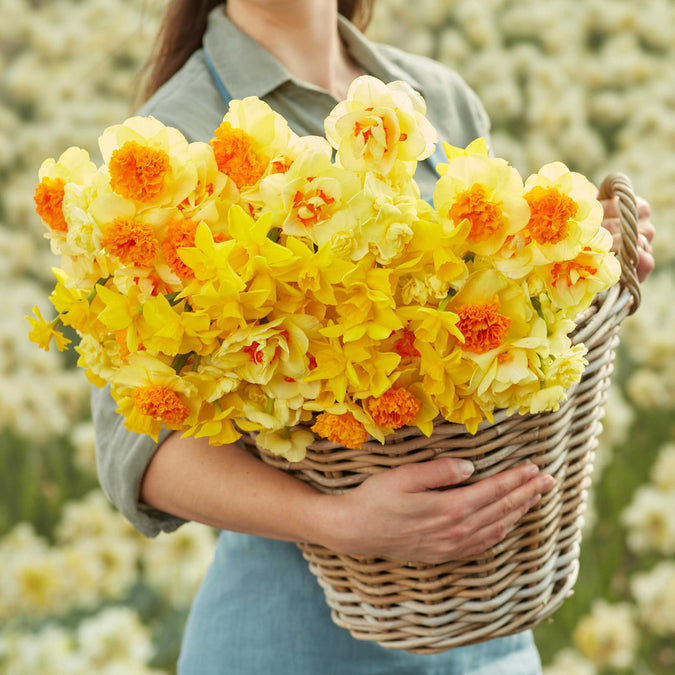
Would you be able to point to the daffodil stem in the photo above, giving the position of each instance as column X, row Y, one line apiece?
column 536, row 303
column 446, row 299
column 179, row 361
column 171, row 297
column 274, row 233
column 269, row 408
column 92, row 294
column 286, row 433
column 195, row 362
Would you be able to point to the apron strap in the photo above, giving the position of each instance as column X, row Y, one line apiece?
column 222, row 89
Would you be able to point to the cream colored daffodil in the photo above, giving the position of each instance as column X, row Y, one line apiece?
column 379, row 124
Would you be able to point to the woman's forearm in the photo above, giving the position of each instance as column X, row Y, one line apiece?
column 229, row 489
column 398, row 513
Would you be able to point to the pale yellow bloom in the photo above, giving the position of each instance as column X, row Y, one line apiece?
column 608, row 636
column 379, row 124
column 289, row 444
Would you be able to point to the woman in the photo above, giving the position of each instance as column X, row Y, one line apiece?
column 259, row 609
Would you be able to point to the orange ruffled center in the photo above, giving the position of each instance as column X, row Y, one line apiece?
column 572, row 272
column 133, row 243
column 550, row 213
column 395, row 408
column 255, row 354
column 482, row 326
column 160, row 403
column 343, row 429
column 312, row 208
column 484, row 214
column 138, row 171
column 405, row 345
column 236, row 157
column 180, row 233
column 49, row 203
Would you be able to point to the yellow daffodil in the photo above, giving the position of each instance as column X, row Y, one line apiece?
column 215, row 421
column 319, row 271
column 251, row 142
column 213, row 192
column 432, row 325
column 73, row 166
column 161, row 327
column 365, row 304
column 386, row 222
column 148, row 163
column 564, row 213
column 476, row 147
column 379, row 124
column 469, row 412
column 487, row 193
column 150, row 395
column 290, row 444
column 358, row 366
column 347, row 424
column 43, row 331
column 81, row 316
column 261, row 411
column 99, row 363
column 572, row 284
column 310, row 199
column 120, row 310
column 492, row 310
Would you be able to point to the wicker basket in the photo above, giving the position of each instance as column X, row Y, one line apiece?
column 426, row 608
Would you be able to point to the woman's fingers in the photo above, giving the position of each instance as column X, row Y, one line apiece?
column 611, row 208
column 491, row 490
column 474, row 532
column 645, row 262
column 646, row 231
column 402, row 515
column 511, row 503
column 492, row 534
column 505, row 498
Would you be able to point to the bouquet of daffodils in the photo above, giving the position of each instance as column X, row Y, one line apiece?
column 274, row 283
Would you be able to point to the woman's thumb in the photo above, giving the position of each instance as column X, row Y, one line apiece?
column 436, row 473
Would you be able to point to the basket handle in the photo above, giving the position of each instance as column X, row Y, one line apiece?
column 619, row 185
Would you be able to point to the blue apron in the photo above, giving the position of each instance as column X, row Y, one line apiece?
column 259, row 611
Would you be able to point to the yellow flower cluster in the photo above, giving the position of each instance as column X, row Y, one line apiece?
column 257, row 282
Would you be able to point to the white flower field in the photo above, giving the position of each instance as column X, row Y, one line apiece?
column 589, row 83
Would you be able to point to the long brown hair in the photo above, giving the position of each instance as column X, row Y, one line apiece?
column 182, row 30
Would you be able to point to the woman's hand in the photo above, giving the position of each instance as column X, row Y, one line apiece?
column 401, row 513
column 645, row 230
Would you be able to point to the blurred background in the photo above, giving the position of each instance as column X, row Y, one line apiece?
column 590, row 83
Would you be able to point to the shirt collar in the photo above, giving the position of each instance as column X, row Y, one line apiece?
column 371, row 57
column 246, row 68
column 261, row 73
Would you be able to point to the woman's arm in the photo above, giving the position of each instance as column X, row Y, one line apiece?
column 396, row 513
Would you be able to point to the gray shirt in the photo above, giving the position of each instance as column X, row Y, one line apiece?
column 191, row 102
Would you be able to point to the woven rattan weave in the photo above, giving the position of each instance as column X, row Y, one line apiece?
column 516, row 584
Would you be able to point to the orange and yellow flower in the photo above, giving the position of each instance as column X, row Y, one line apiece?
column 486, row 193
